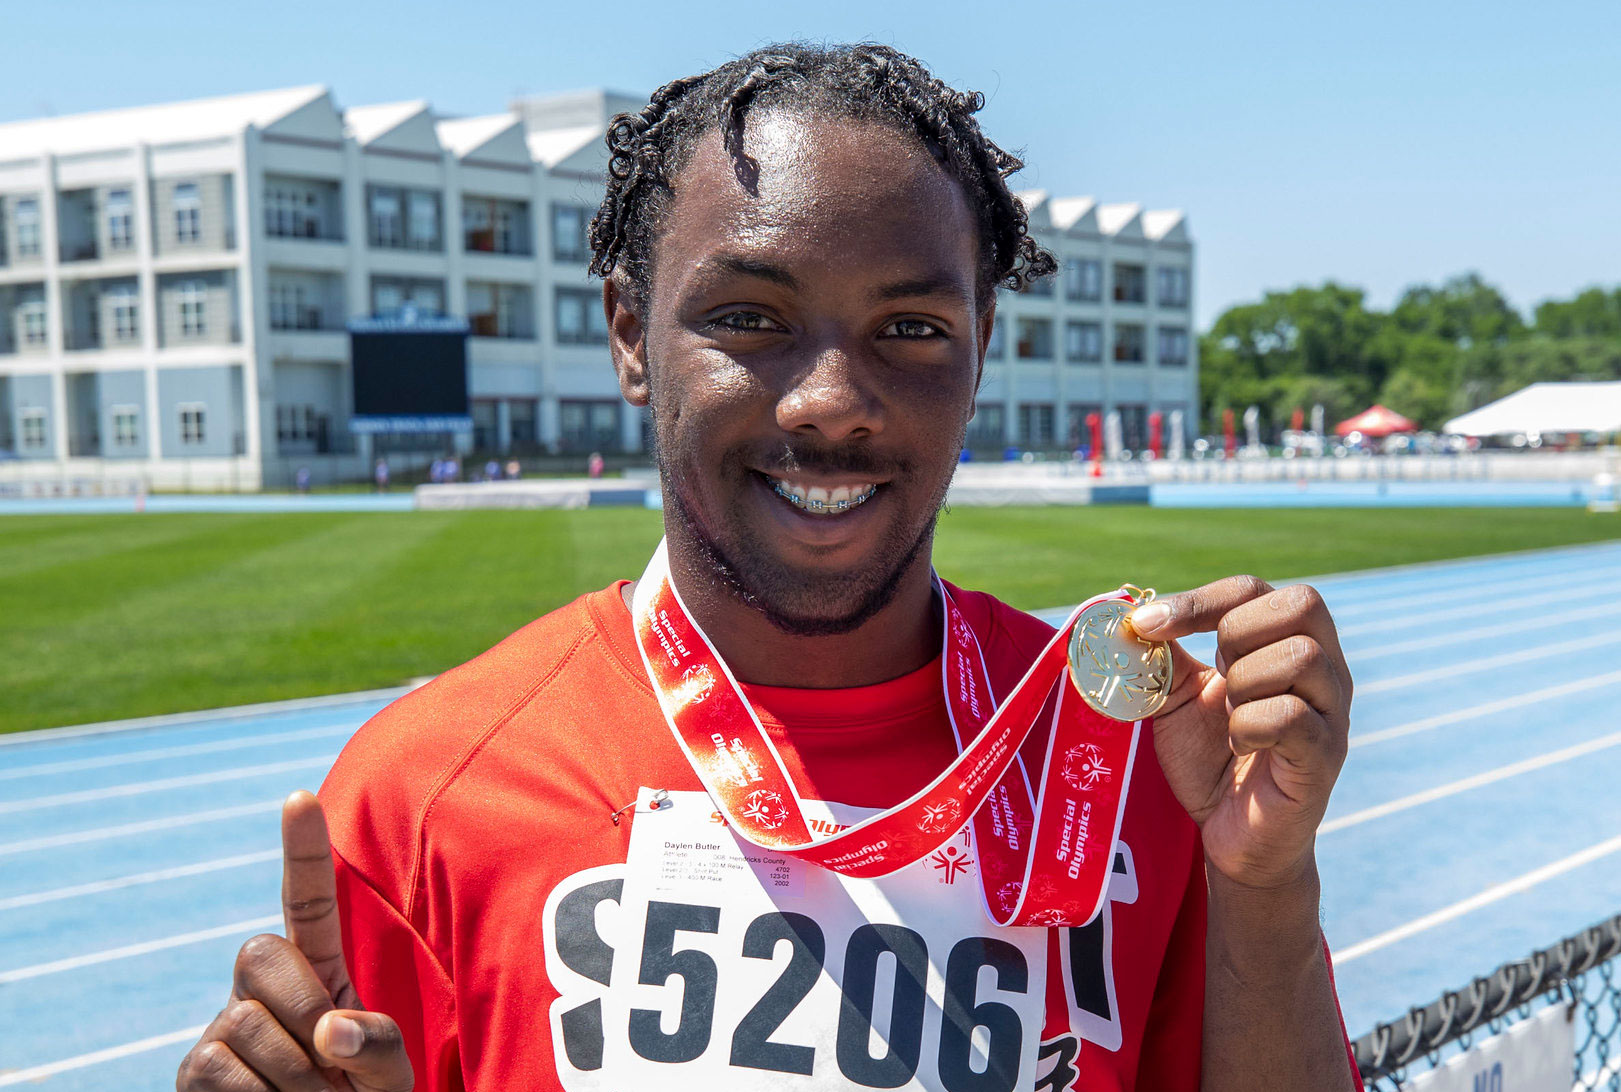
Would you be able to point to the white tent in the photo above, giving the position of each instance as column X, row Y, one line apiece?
column 1545, row 407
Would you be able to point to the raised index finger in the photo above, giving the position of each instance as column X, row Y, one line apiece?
column 309, row 889
column 1196, row 611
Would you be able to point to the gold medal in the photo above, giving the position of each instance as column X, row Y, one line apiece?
column 1119, row 674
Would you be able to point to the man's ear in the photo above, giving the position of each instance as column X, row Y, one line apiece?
column 627, row 338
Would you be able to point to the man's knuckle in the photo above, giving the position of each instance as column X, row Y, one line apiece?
column 259, row 950
column 1304, row 653
column 213, row 1063
column 1251, row 586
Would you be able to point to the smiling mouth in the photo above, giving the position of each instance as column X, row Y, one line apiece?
column 820, row 501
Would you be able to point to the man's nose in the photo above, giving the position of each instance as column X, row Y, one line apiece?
column 833, row 395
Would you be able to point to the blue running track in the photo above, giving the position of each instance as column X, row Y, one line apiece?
column 1476, row 820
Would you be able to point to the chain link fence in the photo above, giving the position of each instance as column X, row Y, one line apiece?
column 1580, row 972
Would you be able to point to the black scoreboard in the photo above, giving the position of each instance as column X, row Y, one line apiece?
column 410, row 373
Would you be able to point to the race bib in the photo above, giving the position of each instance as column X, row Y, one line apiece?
column 738, row 968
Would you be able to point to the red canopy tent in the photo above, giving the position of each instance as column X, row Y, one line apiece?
column 1376, row 420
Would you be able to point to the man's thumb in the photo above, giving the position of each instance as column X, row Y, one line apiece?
column 367, row 1045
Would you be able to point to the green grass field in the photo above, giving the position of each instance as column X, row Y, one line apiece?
column 105, row 617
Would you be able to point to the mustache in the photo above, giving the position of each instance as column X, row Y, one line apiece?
column 799, row 456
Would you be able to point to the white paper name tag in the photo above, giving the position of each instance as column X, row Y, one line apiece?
column 734, row 967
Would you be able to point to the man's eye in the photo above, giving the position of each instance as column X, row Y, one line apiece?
column 749, row 321
column 912, row 328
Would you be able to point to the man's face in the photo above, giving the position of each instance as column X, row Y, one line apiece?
column 810, row 351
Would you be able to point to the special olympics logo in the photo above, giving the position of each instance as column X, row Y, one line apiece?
column 941, row 817
column 1007, row 896
column 766, row 808
column 1084, row 768
column 1049, row 918
column 697, row 682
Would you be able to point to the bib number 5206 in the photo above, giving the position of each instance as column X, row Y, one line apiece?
column 751, row 1044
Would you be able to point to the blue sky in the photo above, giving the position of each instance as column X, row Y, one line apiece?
column 1378, row 144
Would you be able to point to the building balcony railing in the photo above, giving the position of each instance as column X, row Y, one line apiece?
column 83, row 445
column 303, row 318
column 487, row 241
column 80, row 252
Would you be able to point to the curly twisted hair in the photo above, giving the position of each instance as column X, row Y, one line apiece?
column 864, row 82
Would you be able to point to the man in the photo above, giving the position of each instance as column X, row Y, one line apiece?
column 801, row 251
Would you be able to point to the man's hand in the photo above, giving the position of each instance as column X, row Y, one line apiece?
column 294, row 1021
column 1252, row 746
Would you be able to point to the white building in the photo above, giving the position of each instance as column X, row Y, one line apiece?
column 1113, row 331
column 175, row 283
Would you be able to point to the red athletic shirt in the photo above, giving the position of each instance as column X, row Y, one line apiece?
column 465, row 810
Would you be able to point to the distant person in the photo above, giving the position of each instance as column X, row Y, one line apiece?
column 492, row 471
column 301, row 480
column 514, row 471
column 453, row 469
column 594, row 465
column 379, row 475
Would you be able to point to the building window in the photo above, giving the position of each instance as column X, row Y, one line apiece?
column 1130, row 283
column 1128, row 343
column 588, row 426
column 1036, row 424
column 1083, row 279
column 521, row 415
column 295, row 424
column 291, row 308
column 192, row 422
column 390, row 296
column 1083, row 342
column 126, row 425
column 188, row 207
column 1078, row 433
column 424, row 221
column 33, row 428
column 1035, row 339
column 1173, row 346
column 1133, row 426
column 1171, row 289
column 1041, row 286
column 33, row 321
column 986, row 429
column 193, row 309
column 125, row 326
column 292, row 212
column 27, row 219
column 997, row 342
column 580, row 319
column 569, row 226
column 386, row 227
column 120, row 220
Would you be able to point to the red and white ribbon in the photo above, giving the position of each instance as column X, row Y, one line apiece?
column 1043, row 861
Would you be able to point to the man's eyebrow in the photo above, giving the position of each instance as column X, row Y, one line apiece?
column 935, row 285
column 753, row 267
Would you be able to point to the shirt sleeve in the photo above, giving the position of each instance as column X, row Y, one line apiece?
column 1173, row 1042
column 395, row 972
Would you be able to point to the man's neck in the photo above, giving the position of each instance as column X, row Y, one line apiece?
column 901, row 637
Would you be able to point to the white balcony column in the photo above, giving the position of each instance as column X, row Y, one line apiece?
column 356, row 231
column 55, row 340
column 451, row 233
column 549, row 427
column 257, row 396
column 630, row 427
column 146, row 283
column 503, row 425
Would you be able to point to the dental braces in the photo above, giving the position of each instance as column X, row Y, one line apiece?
column 821, row 505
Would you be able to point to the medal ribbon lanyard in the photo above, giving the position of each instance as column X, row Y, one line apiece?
column 1043, row 862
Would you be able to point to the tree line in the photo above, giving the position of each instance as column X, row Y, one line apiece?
column 1438, row 353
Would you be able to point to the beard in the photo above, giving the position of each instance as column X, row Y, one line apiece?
column 737, row 557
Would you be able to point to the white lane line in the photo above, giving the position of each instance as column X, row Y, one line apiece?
column 230, row 712
column 138, row 787
column 144, row 826
column 96, row 1057
column 1474, row 902
column 157, row 876
column 1547, row 619
column 1486, row 663
column 1466, row 584
column 1452, row 788
column 1441, row 720
column 1544, row 598
column 214, row 747
column 56, row 966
